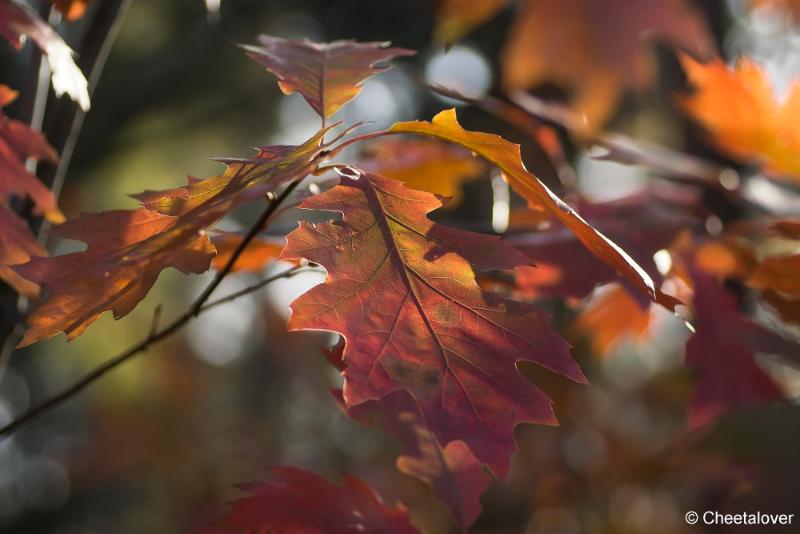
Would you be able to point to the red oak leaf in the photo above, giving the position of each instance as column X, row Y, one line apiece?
column 506, row 156
column 402, row 291
column 456, row 477
column 128, row 249
column 300, row 502
column 328, row 75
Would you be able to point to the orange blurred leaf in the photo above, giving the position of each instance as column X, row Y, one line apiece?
column 456, row 18
column 259, row 252
column 739, row 109
column 594, row 49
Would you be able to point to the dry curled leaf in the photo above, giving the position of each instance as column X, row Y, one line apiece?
column 402, row 292
column 327, row 75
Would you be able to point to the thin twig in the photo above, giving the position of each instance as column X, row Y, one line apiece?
column 287, row 273
column 194, row 310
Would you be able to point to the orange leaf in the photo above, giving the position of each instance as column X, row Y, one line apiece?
column 595, row 48
column 738, row 108
column 423, row 164
column 610, row 317
column 401, row 290
column 506, row 156
column 71, row 9
column 328, row 75
column 259, row 252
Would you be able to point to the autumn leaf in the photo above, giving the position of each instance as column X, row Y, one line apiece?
column 455, row 476
column 594, row 49
column 71, row 9
column 423, row 164
column 327, row 75
column 18, row 142
column 456, row 18
column 259, row 252
column 642, row 224
column 506, row 156
column 17, row 20
column 610, row 317
column 302, row 502
column 722, row 353
column 128, row 249
column 739, row 109
column 401, row 290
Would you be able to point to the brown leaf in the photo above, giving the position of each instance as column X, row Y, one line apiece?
column 18, row 142
column 328, row 75
column 128, row 249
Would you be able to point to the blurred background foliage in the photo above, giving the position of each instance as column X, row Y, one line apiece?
column 158, row 445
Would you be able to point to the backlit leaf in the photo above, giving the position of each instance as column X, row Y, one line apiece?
column 506, row 156
column 739, row 109
column 328, row 75
column 401, row 290
column 18, row 20
column 128, row 249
